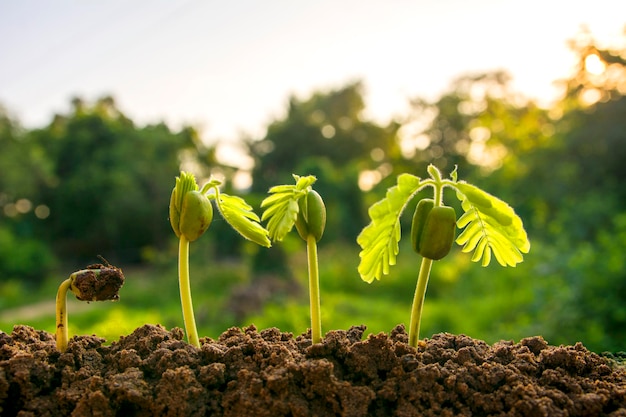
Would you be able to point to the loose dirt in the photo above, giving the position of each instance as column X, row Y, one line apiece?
column 101, row 286
column 269, row 373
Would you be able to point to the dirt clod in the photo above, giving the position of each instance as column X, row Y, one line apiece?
column 270, row 373
column 98, row 283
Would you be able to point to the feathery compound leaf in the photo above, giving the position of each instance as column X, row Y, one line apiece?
column 240, row 216
column 491, row 227
column 281, row 207
column 379, row 240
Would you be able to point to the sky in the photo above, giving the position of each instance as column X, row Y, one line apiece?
column 229, row 68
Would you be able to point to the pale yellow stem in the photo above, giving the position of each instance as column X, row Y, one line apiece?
column 418, row 301
column 185, row 292
column 61, row 314
column 314, row 289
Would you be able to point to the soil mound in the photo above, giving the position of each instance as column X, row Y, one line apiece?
column 270, row 373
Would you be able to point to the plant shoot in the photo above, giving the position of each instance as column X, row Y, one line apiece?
column 191, row 213
column 300, row 205
column 95, row 283
column 490, row 228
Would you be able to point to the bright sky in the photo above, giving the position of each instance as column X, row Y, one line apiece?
column 229, row 67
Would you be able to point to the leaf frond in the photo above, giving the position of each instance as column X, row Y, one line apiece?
column 281, row 206
column 379, row 239
column 240, row 216
column 491, row 227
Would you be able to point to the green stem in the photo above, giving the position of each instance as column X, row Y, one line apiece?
column 418, row 301
column 185, row 292
column 438, row 194
column 61, row 314
column 314, row 289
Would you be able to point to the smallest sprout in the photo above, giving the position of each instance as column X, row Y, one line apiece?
column 95, row 283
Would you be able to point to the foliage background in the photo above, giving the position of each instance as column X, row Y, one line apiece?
column 92, row 183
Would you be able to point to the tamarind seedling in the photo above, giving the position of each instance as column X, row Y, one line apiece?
column 490, row 227
column 191, row 214
column 300, row 205
column 95, row 283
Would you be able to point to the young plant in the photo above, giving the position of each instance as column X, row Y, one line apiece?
column 191, row 213
column 300, row 205
column 490, row 225
column 95, row 283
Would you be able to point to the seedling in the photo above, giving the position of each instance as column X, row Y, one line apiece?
column 95, row 283
column 300, row 205
column 191, row 213
column 490, row 225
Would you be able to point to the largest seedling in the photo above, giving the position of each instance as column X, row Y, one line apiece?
column 490, row 225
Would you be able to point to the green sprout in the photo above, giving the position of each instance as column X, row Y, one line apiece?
column 300, row 205
column 95, row 283
column 191, row 213
column 490, row 225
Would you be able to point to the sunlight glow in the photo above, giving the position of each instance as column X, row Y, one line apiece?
column 368, row 179
column 42, row 211
column 480, row 134
column 377, row 154
column 328, row 131
column 590, row 96
column 242, row 180
column 594, row 65
column 23, row 205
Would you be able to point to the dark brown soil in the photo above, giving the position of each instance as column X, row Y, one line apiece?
column 103, row 286
column 154, row 372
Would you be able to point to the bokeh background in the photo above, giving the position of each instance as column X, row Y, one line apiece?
column 102, row 105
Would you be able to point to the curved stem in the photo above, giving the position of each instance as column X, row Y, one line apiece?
column 185, row 292
column 438, row 194
column 61, row 314
column 418, row 301
column 314, row 289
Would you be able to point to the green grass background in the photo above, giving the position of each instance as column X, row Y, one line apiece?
column 491, row 304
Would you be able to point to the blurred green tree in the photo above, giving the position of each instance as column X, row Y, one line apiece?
column 581, row 168
column 23, row 167
column 572, row 179
column 480, row 125
column 111, row 181
column 328, row 136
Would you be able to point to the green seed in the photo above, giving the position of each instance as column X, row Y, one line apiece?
column 419, row 220
column 196, row 215
column 437, row 236
column 311, row 216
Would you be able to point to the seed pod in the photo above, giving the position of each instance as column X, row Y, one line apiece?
column 437, row 236
column 419, row 220
column 311, row 216
column 195, row 216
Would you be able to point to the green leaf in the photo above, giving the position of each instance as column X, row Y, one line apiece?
column 240, row 216
column 453, row 174
column 379, row 240
column 434, row 173
column 281, row 207
column 491, row 227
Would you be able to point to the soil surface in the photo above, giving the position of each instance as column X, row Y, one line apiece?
column 154, row 372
